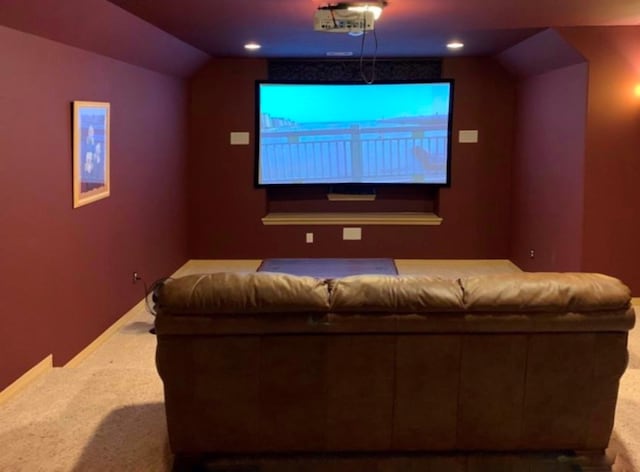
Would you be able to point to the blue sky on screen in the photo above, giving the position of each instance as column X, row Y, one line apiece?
column 332, row 103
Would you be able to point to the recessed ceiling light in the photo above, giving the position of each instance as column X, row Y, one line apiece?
column 455, row 45
column 252, row 46
column 339, row 53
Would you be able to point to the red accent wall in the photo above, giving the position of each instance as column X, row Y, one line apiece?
column 612, row 167
column 548, row 170
column 66, row 273
column 225, row 210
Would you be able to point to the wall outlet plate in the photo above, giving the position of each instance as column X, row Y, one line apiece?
column 351, row 234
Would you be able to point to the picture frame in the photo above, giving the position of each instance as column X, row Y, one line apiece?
column 91, row 152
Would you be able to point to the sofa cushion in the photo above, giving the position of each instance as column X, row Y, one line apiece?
column 539, row 291
column 228, row 292
column 395, row 294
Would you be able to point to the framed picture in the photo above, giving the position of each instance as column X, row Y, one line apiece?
column 90, row 152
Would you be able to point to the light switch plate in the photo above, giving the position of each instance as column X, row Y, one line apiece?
column 239, row 138
column 468, row 136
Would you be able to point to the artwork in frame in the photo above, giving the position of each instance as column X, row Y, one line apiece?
column 91, row 150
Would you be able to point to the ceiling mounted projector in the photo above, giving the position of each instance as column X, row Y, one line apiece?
column 347, row 17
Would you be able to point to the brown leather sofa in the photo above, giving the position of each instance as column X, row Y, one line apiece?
column 264, row 363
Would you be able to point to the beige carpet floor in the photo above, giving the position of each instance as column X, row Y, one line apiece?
column 625, row 440
column 107, row 414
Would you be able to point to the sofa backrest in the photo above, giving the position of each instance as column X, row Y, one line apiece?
column 544, row 292
column 395, row 294
column 228, row 292
column 271, row 302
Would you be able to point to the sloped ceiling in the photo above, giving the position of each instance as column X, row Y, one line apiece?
column 103, row 28
column 177, row 37
column 418, row 28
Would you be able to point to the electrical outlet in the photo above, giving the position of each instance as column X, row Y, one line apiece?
column 309, row 238
column 135, row 277
column 532, row 253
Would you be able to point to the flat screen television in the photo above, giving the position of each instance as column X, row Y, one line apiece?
column 353, row 133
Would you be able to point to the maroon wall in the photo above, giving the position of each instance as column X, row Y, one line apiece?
column 225, row 210
column 549, row 170
column 66, row 273
column 612, row 167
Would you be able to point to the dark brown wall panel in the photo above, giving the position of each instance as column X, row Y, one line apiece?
column 225, row 210
column 611, row 200
column 548, row 168
column 576, row 166
column 66, row 274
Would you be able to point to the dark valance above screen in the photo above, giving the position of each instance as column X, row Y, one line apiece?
column 349, row 70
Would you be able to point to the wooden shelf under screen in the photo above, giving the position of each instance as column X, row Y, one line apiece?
column 380, row 218
column 348, row 197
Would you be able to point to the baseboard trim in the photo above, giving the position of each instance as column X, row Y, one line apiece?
column 41, row 368
column 46, row 364
column 110, row 331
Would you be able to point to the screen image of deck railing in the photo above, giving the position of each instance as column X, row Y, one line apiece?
column 402, row 154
